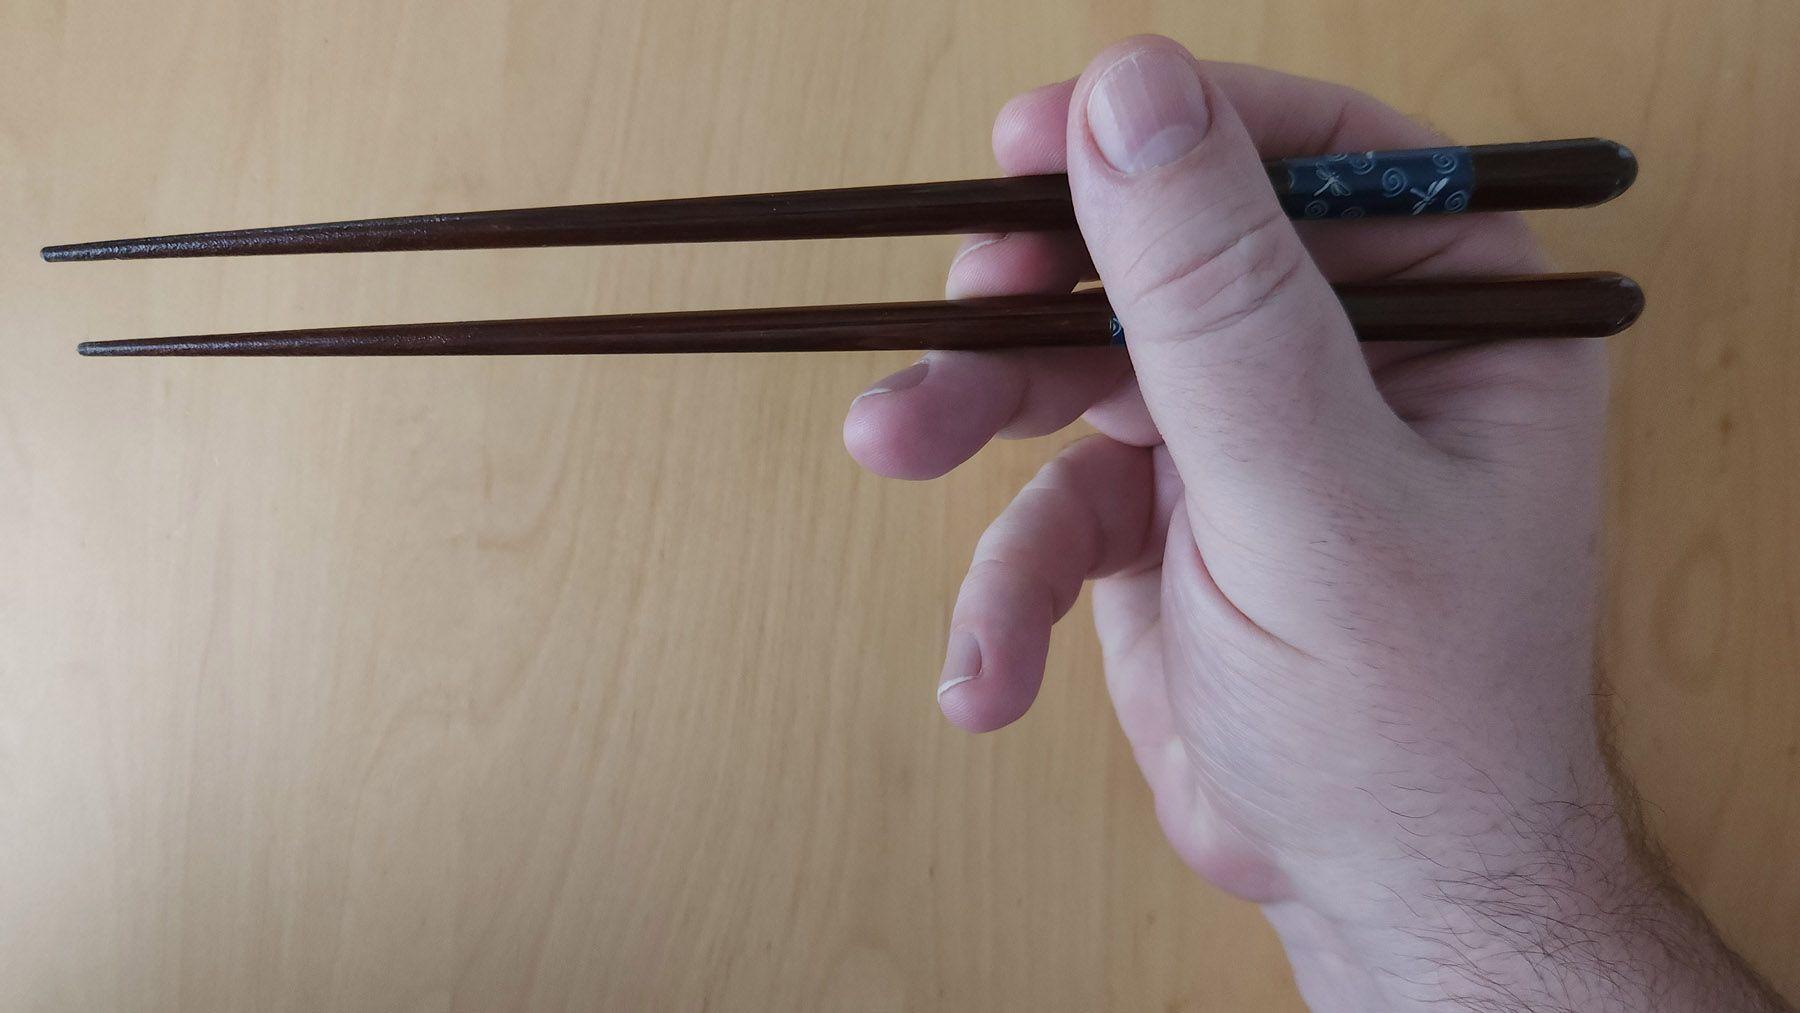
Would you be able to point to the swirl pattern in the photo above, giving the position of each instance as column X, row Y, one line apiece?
column 1374, row 184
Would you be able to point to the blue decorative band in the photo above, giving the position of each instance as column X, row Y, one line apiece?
column 1425, row 181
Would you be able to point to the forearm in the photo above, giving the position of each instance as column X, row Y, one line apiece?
column 1579, row 916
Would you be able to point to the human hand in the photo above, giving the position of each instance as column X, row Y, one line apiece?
column 1345, row 593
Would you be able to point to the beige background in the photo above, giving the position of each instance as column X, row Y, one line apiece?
column 574, row 684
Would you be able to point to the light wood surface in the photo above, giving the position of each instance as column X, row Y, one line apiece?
column 562, row 684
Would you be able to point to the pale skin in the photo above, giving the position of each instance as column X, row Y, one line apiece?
column 1345, row 594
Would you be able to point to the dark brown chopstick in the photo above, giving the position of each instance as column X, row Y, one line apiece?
column 1555, row 306
column 1495, row 177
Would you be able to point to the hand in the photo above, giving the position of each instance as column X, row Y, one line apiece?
column 1345, row 594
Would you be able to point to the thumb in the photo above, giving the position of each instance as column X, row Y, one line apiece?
column 1244, row 355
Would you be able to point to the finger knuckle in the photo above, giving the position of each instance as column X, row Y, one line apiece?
column 1020, row 578
column 1209, row 287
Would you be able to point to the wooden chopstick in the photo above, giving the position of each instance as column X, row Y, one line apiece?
column 1495, row 177
column 1554, row 306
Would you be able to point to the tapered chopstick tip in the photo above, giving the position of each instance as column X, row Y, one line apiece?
column 81, row 251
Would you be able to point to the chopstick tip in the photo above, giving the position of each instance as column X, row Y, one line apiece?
column 78, row 251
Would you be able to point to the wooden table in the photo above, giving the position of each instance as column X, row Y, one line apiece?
column 564, row 684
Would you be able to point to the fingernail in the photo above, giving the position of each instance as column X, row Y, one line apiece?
column 1147, row 109
column 907, row 378
column 953, row 286
column 962, row 661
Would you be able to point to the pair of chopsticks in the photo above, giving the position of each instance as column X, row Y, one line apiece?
column 1340, row 187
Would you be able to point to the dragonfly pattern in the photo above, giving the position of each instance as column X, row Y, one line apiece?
column 1388, row 183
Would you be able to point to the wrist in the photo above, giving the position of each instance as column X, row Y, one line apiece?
column 1567, row 914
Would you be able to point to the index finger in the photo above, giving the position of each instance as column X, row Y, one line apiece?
column 1290, row 116
column 964, row 400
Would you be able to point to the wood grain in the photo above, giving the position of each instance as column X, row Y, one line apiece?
column 568, row 684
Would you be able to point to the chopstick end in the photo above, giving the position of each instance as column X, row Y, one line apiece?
column 1631, row 295
column 81, row 251
column 1627, row 169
